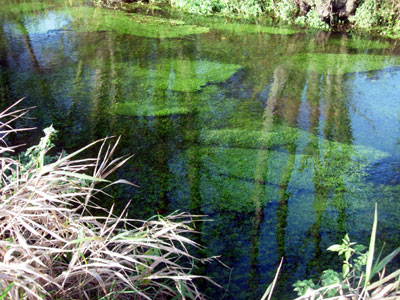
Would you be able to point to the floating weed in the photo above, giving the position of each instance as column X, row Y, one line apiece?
column 97, row 19
column 339, row 64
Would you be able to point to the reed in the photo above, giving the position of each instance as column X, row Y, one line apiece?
column 53, row 247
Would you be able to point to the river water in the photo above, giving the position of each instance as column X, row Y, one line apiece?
column 285, row 139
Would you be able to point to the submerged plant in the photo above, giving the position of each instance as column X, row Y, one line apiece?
column 53, row 247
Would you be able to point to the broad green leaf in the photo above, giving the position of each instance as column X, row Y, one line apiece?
column 335, row 248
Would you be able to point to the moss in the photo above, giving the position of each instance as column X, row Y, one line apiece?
column 183, row 75
column 89, row 19
column 337, row 64
column 252, row 28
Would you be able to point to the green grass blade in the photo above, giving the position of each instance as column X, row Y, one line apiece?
column 379, row 266
column 384, row 280
column 371, row 248
column 5, row 291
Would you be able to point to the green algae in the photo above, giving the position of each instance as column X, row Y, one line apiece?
column 237, row 138
column 183, row 75
column 89, row 19
column 253, row 28
column 24, row 7
column 361, row 44
column 134, row 109
column 339, row 64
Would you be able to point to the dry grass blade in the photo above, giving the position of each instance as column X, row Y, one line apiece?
column 52, row 247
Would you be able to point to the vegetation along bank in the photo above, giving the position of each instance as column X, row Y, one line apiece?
column 376, row 16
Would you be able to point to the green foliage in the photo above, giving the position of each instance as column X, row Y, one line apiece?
column 366, row 15
column 358, row 267
column 286, row 10
column 36, row 154
column 312, row 19
column 380, row 16
column 247, row 8
column 339, row 64
column 301, row 286
column 97, row 19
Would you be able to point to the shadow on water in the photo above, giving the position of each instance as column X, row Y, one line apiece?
column 275, row 134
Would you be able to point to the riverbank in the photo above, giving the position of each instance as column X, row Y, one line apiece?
column 377, row 17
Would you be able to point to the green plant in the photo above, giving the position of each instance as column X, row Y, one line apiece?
column 358, row 271
column 286, row 10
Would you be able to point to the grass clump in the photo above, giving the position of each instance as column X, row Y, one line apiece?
column 53, row 247
column 97, row 19
column 339, row 64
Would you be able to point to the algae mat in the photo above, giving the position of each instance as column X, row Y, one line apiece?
column 88, row 19
column 253, row 28
column 339, row 64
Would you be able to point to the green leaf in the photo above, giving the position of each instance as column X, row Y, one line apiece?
column 5, row 291
column 335, row 248
column 379, row 266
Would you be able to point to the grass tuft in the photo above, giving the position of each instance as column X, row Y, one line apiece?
column 53, row 247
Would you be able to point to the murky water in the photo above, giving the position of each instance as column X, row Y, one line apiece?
column 285, row 139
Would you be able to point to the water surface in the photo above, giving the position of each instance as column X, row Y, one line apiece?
column 284, row 138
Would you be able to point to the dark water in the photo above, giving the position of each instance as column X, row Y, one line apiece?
column 285, row 141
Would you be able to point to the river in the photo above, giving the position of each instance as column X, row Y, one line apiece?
column 284, row 138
